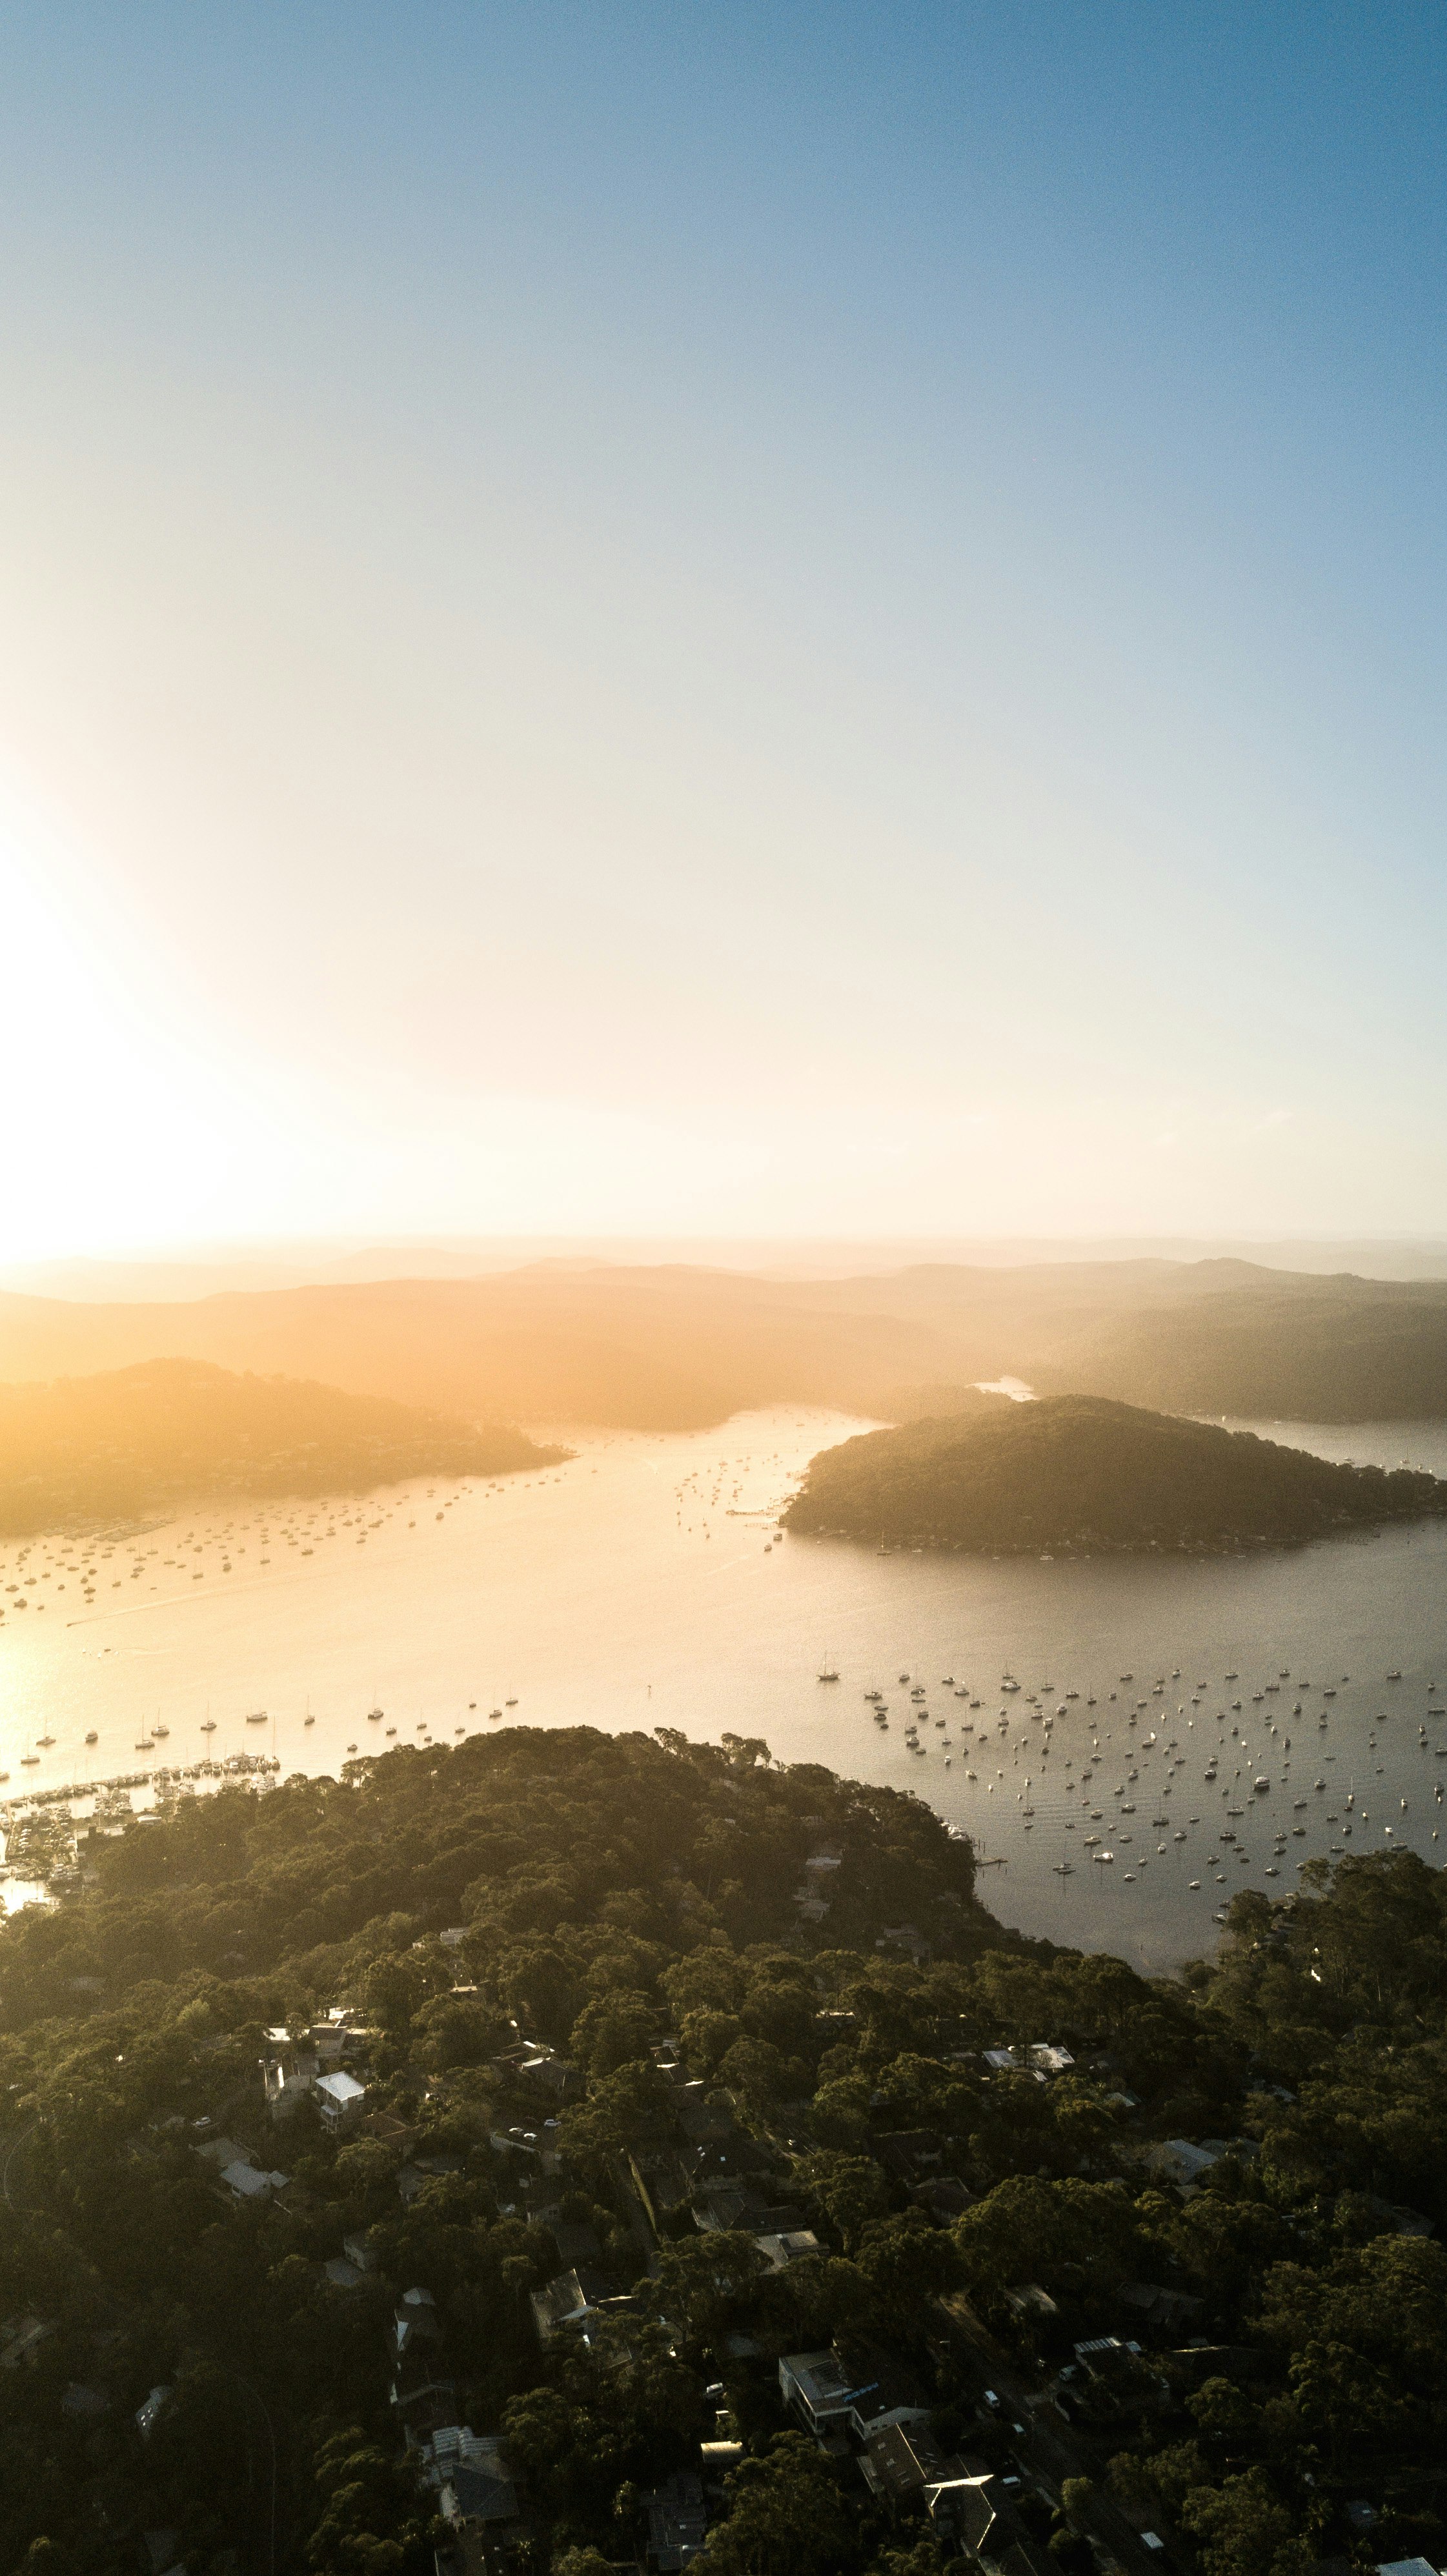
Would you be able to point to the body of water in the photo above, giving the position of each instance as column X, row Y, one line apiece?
column 642, row 1584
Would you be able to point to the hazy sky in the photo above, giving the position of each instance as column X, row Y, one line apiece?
column 714, row 617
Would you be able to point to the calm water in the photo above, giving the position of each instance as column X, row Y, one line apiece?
column 634, row 1587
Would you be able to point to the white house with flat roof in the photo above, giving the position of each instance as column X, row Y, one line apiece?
column 339, row 2098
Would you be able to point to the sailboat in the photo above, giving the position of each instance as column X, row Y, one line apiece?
column 827, row 1672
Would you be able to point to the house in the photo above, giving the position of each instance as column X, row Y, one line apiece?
column 415, row 2321
column 297, row 2058
column 247, row 2183
column 962, row 2509
column 423, row 2402
column 664, row 2177
column 1159, row 2307
column 729, row 2204
column 285, row 2082
column 676, row 2522
column 1040, row 2059
column 568, row 2300
column 389, row 2131
column 943, row 2196
column 84, row 2401
column 970, row 2512
column 471, row 2475
column 288, row 2072
column 833, row 2393
column 545, row 2075
column 357, row 2249
column 1049, row 2060
column 1107, row 2379
column 1186, row 2161
column 21, row 2339
column 1181, row 2161
column 703, row 2122
column 779, row 2249
column 221, row 2152
column 913, row 2156
column 576, row 2242
column 901, row 2460
column 1395, row 2220
column 148, row 2415
column 342, row 2274
column 339, row 2099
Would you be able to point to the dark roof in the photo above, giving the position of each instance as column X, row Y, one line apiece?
column 907, row 2457
column 963, row 2508
column 876, row 2383
column 484, row 2496
column 576, row 2243
column 676, row 2521
column 910, row 2153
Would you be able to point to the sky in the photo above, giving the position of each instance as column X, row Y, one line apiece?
column 781, row 620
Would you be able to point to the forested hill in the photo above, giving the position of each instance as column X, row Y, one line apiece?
column 1077, row 1470
column 731, row 2052
column 145, row 1439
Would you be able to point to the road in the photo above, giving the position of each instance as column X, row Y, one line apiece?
column 1052, row 2451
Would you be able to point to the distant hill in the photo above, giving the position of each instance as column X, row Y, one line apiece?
column 1077, row 1470
column 144, row 1439
column 677, row 1346
column 1288, row 1349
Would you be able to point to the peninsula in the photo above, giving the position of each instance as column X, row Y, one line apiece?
column 1081, row 1471
column 145, row 1439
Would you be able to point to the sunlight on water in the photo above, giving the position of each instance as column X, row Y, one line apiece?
column 644, row 1584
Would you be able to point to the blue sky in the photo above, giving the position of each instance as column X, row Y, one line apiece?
column 663, row 617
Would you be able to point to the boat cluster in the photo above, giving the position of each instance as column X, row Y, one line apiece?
column 1233, row 1750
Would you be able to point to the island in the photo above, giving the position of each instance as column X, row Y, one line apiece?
column 79, row 1451
column 1079, row 1471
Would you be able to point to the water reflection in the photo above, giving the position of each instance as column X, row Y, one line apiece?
column 645, row 1584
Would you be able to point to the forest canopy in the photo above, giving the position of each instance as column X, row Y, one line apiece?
column 144, row 1439
column 218, row 2375
column 1080, row 1470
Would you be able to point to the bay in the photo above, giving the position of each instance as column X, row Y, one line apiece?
column 642, row 1584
